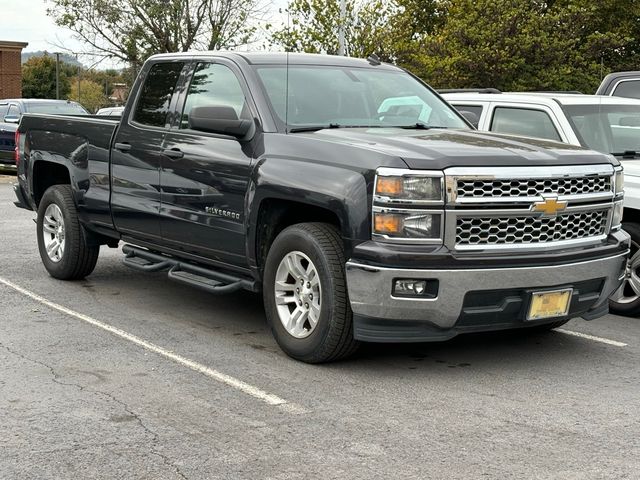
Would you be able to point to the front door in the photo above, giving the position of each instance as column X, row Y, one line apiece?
column 136, row 154
column 205, row 176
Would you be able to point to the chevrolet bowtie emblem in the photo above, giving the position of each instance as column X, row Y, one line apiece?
column 549, row 207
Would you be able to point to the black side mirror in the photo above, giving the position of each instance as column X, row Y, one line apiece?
column 218, row 119
column 471, row 117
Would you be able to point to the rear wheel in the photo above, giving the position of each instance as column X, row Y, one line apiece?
column 305, row 294
column 62, row 241
column 626, row 299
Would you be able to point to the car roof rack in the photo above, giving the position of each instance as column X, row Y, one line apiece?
column 469, row 90
column 558, row 92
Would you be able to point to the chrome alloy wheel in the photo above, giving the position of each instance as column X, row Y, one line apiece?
column 298, row 294
column 53, row 232
column 629, row 290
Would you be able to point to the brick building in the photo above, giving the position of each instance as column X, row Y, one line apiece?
column 11, row 69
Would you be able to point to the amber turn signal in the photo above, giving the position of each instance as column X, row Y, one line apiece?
column 387, row 223
column 389, row 186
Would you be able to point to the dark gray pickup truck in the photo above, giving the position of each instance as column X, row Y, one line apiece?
column 360, row 204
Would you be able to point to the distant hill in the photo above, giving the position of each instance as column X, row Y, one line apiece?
column 68, row 59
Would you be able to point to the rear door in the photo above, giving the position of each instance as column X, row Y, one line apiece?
column 136, row 152
column 205, row 175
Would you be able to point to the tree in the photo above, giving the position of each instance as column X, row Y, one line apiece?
column 389, row 28
column 131, row 30
column 516, row 45
column 91, row 96
column 39, row 78
column 314, row 25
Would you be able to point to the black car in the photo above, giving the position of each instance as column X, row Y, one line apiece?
column 11, row 111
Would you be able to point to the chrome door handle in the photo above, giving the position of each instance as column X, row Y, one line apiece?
column 123, row 147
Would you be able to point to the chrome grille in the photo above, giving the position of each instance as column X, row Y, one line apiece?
column 515, row 230
column 492, row 188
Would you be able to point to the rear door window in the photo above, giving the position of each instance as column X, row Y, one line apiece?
column 527, row 122
column 156, row 94
column 3, row 111
column 629, row 89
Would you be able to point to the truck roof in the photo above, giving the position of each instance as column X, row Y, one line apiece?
column 282, row 58
column 544, row 98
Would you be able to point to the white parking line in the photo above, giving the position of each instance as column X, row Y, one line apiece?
column 228, row 380
column 591, row 337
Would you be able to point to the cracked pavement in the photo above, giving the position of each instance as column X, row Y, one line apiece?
column 77, row 401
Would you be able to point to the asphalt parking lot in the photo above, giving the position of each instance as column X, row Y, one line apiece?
column 128, row 375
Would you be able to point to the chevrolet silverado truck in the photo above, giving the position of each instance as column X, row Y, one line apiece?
column 359, row 203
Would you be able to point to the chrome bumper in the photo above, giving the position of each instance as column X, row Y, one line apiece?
column 370, row 288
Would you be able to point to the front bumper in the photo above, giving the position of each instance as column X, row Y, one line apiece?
column 462, row 302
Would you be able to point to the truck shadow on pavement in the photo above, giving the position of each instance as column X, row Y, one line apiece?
column 240, row 316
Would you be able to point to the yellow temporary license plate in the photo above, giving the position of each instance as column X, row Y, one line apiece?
column 549, row 304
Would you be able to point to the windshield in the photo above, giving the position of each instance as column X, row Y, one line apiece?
column 607, row 128
column 353, row 97
column 58, row 108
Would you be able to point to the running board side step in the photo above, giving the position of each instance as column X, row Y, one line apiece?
column 212, row 281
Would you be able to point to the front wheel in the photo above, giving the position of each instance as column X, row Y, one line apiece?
column 62, row 242
column 305, row 294
column 626, row 299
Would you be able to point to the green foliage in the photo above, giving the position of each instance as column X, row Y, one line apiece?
column 39, row 77
column 92, row 95
column 510, row 44
column 516, row 45
column 314, row 25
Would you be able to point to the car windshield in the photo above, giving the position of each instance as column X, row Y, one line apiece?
column 607, row 128
column 334, row 97
column 57, row 108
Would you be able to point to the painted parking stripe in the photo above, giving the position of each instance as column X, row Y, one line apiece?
column 591, row 337
column 223, row 378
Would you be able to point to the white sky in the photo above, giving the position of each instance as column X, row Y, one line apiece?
column 27, row 21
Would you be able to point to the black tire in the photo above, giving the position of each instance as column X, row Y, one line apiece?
column 629, row 308
column 78, row 258
column 332, row 338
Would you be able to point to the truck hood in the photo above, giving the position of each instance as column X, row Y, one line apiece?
column 439, row 148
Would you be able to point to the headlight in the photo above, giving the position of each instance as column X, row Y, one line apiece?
column 616, row 220
column 406, row 186
column 618, row 183
column 407, row 224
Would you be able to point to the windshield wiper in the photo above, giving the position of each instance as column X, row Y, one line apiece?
column 420, row 126
column 313, row 128
column 626, row 154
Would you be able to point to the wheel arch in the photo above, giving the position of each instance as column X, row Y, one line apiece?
column 286, row 192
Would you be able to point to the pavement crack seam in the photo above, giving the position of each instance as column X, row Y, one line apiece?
column 154, row 435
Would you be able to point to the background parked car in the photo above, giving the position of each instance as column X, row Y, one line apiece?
column 621, row 84
column 110, row 112
column 606, row 124
column 11, row 110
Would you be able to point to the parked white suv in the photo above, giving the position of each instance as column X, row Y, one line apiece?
column 603, row 123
